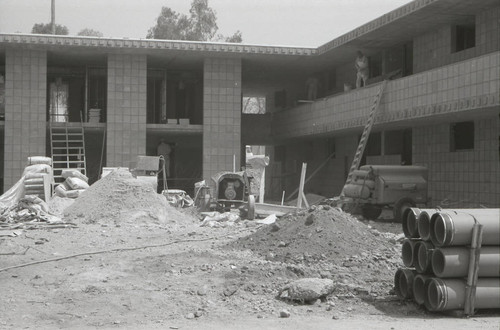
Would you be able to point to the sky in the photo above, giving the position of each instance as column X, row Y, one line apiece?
column 306, row 23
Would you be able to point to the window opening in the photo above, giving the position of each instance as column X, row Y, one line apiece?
column 462, row 136
column 254, row 104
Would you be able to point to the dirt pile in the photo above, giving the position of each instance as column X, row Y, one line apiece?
column 326, row 242
column 325, row 233
column 119, row 198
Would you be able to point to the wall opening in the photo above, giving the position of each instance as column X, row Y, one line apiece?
column 254, row 105
column 463, row 37
column 462, row 136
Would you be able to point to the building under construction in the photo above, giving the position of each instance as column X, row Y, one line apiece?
column 440, row 107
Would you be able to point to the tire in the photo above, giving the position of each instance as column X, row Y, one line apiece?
column 400, row 207
column 251, row 207
column 371, row 212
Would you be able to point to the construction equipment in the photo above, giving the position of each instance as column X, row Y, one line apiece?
column 67, row 144
column 373, row 187
column 232, row 189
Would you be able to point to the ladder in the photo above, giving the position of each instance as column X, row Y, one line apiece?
column 365, row 135
column 67, row 144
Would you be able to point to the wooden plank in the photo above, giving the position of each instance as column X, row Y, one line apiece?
column 301, row 185
column 475, row 250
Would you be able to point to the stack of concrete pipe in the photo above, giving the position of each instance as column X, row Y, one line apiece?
column 436, row 252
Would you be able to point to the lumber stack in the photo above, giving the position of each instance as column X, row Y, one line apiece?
column 452, row 259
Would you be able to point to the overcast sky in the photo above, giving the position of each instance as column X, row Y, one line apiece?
column 267, row 22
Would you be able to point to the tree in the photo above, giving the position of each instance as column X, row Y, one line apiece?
column 200, row 25
column 90, row 33
column 46, row 28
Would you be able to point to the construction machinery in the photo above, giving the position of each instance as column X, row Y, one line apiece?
column 232, row 190
column 374, row 187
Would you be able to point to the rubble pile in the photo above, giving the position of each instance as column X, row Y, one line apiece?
column 30, row 212
column 119, row 197
column 328, row 243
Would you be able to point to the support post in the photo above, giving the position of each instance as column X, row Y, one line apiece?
column 301, row 186
column 475, row 250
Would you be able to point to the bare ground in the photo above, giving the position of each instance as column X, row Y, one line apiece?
column 143, row 272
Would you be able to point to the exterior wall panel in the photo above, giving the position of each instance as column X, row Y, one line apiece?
column 465, row 178
column 221, row 115
column 25, row 110
column 126, row 109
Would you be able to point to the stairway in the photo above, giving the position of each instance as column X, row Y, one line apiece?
column 366, row 134
column 67, row 146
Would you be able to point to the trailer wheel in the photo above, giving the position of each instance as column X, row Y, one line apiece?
column 371, row 212
column 251, row 207
column 401, row 206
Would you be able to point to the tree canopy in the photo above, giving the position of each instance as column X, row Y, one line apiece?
column 200, row 25
column 46, row 28
column 90, row 33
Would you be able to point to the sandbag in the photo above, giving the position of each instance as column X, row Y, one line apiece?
column 35, row 181
column 60, row 191
column 30, row 176
column 76, row 183
column 74, row 193
column 33, row 186
column 70, row 173
column 33, row 160
column 37, row 168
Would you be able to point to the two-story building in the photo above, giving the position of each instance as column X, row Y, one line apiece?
column 440, row 107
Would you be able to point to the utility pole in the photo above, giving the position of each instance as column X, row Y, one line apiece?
column 53, row 16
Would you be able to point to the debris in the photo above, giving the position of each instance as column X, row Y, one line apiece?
column 216, row 219
column 268, row 220
column 284, row 313
column 307, row 289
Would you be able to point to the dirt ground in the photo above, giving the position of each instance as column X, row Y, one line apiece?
column 134, row 262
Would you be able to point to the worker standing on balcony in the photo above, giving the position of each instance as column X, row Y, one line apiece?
column 361, row 64
column 312, row 84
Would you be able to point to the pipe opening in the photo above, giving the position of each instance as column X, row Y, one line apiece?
column 410, row 222
column 435, row 299
column 423, row 225
column 407, row 253
column 422, row 258
column 438, row 262
column 438, row 229
column 397, row 287
column 419, row 289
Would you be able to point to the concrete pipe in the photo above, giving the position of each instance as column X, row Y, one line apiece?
column 423, row 264
column 454, row 262
column 449, row 294
column 424, row 224
column 409, row 222
column 454, row 227
column 411, row 219
column 403, row 283
column 419, row 292
column 408, row 252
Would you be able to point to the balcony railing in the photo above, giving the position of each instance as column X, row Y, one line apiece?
column 463, row 86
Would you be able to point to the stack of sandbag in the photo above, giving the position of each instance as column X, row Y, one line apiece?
column 74, row 185
column 39, row 169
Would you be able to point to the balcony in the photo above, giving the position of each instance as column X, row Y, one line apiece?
column 451, row 89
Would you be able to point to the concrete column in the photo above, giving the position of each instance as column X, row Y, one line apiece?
column 221, row 115
column 25, row 110
column 126, row 109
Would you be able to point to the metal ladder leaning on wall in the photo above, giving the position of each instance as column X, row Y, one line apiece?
column 67, row 144
column 365, row 135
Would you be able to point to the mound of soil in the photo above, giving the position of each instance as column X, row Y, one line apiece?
column 326, row 234
column 119, row 197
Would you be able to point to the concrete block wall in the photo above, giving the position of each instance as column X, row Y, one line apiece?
column 221, row 115
column 25, row 110
column 464, row 178
column 463, row 86
column 433, row 49
column 126, row 109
